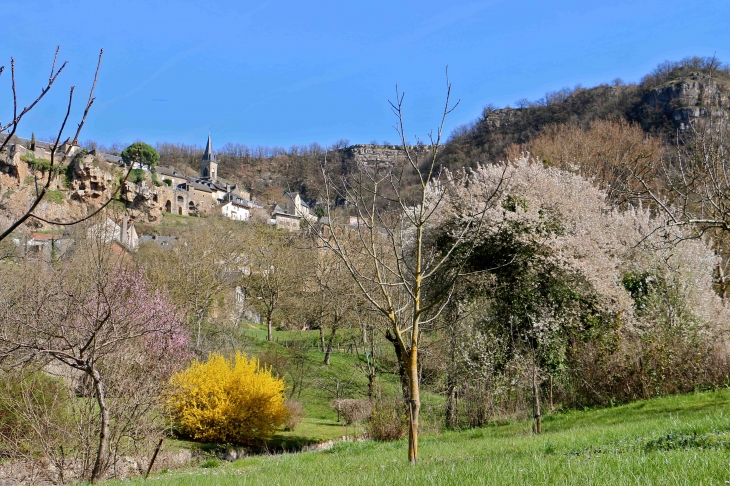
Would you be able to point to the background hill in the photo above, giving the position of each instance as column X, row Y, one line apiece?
column 661, row 104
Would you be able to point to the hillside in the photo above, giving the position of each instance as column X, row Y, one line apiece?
column 665, row 101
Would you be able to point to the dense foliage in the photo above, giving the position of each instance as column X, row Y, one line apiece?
column 141, row 153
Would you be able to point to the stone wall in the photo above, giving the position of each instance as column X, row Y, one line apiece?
column 149, row 202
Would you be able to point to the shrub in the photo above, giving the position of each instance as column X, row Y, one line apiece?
column 137, row 175
column 210, row 463
column 353, row 410
column 230, row 401
column 388, row 421
column 294, row 414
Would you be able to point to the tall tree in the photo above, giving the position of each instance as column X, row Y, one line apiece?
column 142, row 153
column 386, row 251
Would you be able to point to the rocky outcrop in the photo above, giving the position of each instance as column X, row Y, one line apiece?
column 90, row 182
column 142, row 201
column 688, row 98
column 384, row 155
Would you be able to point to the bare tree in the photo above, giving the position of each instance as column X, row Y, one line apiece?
column 268, row 277
column 696, row 192
column 198, row 270
column 386, row 250
column 330, row 298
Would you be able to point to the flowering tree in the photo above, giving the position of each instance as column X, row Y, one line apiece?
column 558, row 265
column 100, row 318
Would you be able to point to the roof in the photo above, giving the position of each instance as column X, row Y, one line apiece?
column 195, row 184
column 211, row 185
column 44, row 236
column 209, row 154
column 239, row 201
column 166, row 170
column 25, row 141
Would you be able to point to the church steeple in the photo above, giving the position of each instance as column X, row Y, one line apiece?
column 209, row 163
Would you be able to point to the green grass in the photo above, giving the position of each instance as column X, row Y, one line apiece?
column 54, row 197
column 673, row 440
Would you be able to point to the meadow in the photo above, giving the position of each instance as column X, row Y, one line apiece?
column 665, row 441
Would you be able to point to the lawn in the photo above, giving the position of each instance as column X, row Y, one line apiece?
column 672, row 440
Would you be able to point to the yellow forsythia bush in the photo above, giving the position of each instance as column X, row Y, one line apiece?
column 230, row 401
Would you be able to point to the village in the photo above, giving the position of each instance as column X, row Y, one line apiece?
column 161, row 189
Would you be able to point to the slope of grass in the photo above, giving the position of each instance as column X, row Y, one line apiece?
column 672, row 440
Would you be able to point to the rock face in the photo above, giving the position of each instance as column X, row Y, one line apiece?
column 386, row 155
column 687, row 99
column 90, row 182
column 141, row 201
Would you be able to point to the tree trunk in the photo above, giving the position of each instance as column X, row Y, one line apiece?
column 371, row 384
column 98, row 471
column 414, row 405
column 537, row 417
column 551, row 394
column 270, row 331
column 321, row 339
column 328, row 351
column 452, row 418
column 400, row 353
column 722, row 280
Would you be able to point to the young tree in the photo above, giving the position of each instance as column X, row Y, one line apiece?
column 329, row 297
column 98, row 316
column 387, row 252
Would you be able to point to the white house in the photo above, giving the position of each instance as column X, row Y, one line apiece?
column 236, row 208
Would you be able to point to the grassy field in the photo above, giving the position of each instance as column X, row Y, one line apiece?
column 672, row 440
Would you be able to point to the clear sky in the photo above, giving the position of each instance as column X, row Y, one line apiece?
column 282, row 73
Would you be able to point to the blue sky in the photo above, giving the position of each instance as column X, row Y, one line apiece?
column 282, row 73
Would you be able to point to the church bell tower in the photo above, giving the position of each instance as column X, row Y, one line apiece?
column 209, row 163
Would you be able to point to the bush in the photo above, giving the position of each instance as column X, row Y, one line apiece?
column 294, row 414
column 353, row 410
column 388, row 421
column 230, row 401
column 33, row 410
column 137, row 175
